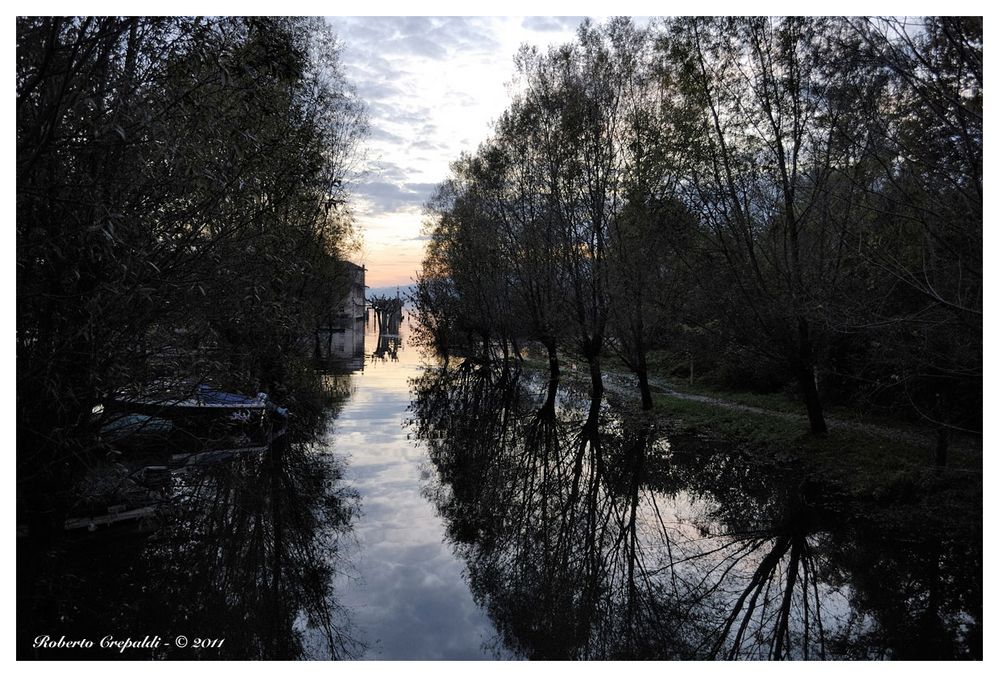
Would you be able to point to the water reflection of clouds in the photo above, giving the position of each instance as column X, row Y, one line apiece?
column 411, row 601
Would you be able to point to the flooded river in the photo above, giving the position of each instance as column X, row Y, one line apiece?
column 406, row 588
column 497, row 522
column 478, row 511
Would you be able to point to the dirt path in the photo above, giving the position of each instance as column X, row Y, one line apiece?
column 626, row 386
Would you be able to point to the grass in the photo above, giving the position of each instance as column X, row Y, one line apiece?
column 779, row 402
column 769, row 401
column 717, row 421
column 891, row 477
column 661, row 370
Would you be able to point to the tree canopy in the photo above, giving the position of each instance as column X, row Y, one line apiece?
column 796, row 200
column 181, row 212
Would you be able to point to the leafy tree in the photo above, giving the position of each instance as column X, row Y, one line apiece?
column 922, row 240
column 793, row 199
column 181, row 211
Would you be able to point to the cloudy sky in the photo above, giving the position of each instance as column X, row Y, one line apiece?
column 432, row 86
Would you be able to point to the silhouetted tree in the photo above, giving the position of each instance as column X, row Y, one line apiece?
column 180, row 215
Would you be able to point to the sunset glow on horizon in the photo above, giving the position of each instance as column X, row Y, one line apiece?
column 432, row 87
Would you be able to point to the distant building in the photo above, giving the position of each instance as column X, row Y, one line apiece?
column 340, row 336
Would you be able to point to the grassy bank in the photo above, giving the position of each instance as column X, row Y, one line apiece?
column 862, row 455
column 893, row 476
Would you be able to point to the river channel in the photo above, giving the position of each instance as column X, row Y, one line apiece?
column 405, row 585
column 476, row 510
column 498, row 522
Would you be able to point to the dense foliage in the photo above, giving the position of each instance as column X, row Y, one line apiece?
column 181, row 216
column 794, row 202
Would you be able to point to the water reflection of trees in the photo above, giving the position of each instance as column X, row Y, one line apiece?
column 913, row 598
column 588, row 535
column 260, row 543
column 249, row 556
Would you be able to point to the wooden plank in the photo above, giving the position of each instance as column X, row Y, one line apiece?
column 220, row 455
column 111, row 518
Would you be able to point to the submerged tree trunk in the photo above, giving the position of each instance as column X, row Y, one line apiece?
column 553, row 377
column 591, row 350
column 276, row 463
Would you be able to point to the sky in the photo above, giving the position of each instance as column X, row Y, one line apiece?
column 432, row 86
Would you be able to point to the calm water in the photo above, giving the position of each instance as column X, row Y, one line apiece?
column 470, row 511
column 500, row 522
column 407, row 592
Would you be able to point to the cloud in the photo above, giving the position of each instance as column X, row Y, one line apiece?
column 420, row 46
column 416, row 36
column 386, row 196
column 378, row 90
column 551, row 24
column 422, row 188
column 387, row 171
column 428, row 145
column 380, row 134
column 415, row 73
column 431, row 86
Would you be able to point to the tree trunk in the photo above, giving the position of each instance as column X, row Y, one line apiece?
column 516, row 349
column 276, row 458
column 643, row 384
column 591, row 350
column 553, row 377
column 806, row 382
column 805, row 372
column 596, row 381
